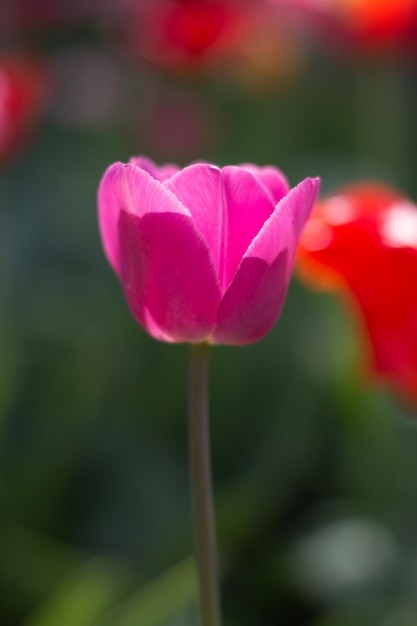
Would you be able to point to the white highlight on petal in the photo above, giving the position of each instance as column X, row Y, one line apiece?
column 399, row 228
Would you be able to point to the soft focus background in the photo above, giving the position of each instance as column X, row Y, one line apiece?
column 315, row 465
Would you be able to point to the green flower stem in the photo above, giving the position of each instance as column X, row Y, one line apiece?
column 201, row 489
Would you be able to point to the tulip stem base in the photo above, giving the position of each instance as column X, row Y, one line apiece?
column 201, row 489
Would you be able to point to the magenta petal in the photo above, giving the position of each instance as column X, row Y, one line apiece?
column 228, row 206
column 129, row 188
column 199, row 188
column 272, row 179
column 169, row 279
column 159, row 172
column 254, row 300
column 108, row 211
column 202, row 253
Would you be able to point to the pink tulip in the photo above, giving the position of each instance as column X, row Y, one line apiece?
column 203, row 254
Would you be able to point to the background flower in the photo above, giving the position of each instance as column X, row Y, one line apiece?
column 371, row 25
column 22, row 92
column 362, row 241
column 185, row 34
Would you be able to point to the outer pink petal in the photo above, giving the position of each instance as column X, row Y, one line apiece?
column 129, row 188
column 109, row 206
column 272, row 179
column 160, row 172
column 168, row 276
column 162, row 260
column 256, row 296
column 228, row 206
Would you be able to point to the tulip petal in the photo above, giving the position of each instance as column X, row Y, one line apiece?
column 168, row 276
column 271, row 178
column 228, row 206
column 159, row 172
column 129, row 188
column 162, row 260
column 108, row 211
column 256, row 295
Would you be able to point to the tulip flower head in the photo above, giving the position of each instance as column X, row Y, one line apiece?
column 203, row 254
column 362, row 242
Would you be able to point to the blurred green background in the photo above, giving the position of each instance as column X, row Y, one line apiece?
column 315, row 470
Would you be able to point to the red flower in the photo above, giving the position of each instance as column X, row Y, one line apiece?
column 256, row 40
column 363, row 242
column 380, row 22
column 373, row 24
column 22, row 86
column 185, row 34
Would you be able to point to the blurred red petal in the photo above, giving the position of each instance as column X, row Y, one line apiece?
column 185, row 34
column 22, row 88
column 373, row 25
column 363, row 243
column 378, row 20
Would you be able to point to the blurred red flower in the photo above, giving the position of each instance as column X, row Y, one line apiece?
column 381, row 22
column 362, row 242
column 256, row 41
column 185, row 34
column 375, row 25
column 22, row 88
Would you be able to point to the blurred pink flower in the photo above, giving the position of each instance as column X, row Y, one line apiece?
column 88, row 87
column 203, row 253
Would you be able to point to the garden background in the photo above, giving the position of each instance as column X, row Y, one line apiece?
column 314, row 463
